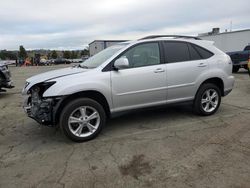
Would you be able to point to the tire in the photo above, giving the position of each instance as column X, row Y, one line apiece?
column 72, row 119
column 202, row 105
column 235, row 69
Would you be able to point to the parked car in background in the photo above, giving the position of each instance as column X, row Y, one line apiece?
column 44, row 62
column 152, row 71
column 5, row 77
column 61, row 61
column 51, row 61
column 84, row 58
column 76, row 60
column 240, row 58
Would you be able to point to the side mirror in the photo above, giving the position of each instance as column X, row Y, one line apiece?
column 121, row 63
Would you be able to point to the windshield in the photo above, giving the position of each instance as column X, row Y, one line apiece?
column 102, row 56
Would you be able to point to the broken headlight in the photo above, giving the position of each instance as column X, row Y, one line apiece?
column 35, row 95
column 41, row 88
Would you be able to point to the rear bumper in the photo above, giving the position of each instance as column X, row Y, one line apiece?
column 227, row 92
column 228, row 85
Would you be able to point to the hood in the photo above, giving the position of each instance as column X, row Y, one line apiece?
column 43, row 77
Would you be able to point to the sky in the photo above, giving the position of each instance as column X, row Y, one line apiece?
column 73, row 24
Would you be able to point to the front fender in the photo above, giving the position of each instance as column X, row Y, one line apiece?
column 72, row 84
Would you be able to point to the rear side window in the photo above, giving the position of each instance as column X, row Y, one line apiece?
column 194, row 55
column 176, row 51
column 205, row 54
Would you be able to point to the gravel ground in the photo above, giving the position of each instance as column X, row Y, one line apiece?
column 163, row 147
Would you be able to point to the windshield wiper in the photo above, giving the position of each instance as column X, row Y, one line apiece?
column 83, row 66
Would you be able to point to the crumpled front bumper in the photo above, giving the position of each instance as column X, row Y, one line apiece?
column 6, row 82
column 42, row 112
column 26, row 105
column 9, row 84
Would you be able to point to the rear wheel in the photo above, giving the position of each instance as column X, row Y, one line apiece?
column 207, row 100
column 82, row 119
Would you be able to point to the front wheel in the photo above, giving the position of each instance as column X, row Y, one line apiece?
column 207, row 100
column 82, row 119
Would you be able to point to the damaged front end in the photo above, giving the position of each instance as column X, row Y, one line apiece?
column 5, row 78
column 39, row 108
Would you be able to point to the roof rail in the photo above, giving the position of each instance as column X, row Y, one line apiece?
column 174, row 36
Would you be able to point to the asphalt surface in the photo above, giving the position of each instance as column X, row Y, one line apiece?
column 165, row 147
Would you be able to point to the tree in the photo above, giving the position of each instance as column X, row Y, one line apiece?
column 66, row 54
column 7, row 55
column 49, row 55
column 54, row 54
column 22, row 53
column 85, row 52
column 2, row 55
column 74, row 55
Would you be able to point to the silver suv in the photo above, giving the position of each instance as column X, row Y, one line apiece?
column 155, row 70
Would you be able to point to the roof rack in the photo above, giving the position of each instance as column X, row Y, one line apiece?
column 174, row 36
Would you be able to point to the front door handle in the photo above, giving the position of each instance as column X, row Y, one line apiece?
column 158, row 70
column 202, row 65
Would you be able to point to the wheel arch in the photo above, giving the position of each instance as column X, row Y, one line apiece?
column 92, row 94
column 216, row 81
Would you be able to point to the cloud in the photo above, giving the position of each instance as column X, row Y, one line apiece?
column 72, row 24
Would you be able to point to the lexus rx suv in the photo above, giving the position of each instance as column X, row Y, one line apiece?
column 155, row 70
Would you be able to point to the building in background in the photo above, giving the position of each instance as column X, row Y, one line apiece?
column 99, row 45
column 228, row 41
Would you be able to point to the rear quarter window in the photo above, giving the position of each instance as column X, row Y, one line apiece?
column 205, row 54
column 194, row 55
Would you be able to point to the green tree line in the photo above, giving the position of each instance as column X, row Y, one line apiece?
column 23, row 54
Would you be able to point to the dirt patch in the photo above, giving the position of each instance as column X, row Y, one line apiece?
column 136, row 167
column 94, row 167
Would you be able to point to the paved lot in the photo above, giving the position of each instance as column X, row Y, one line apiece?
column 167, row 147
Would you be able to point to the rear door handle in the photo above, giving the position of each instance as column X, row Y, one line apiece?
column 158, row 70
column 202, row 65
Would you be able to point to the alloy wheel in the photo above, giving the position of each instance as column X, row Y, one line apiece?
column 84, row 121
column 209, row 100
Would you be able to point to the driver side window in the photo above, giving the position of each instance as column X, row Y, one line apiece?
column 143, row 55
